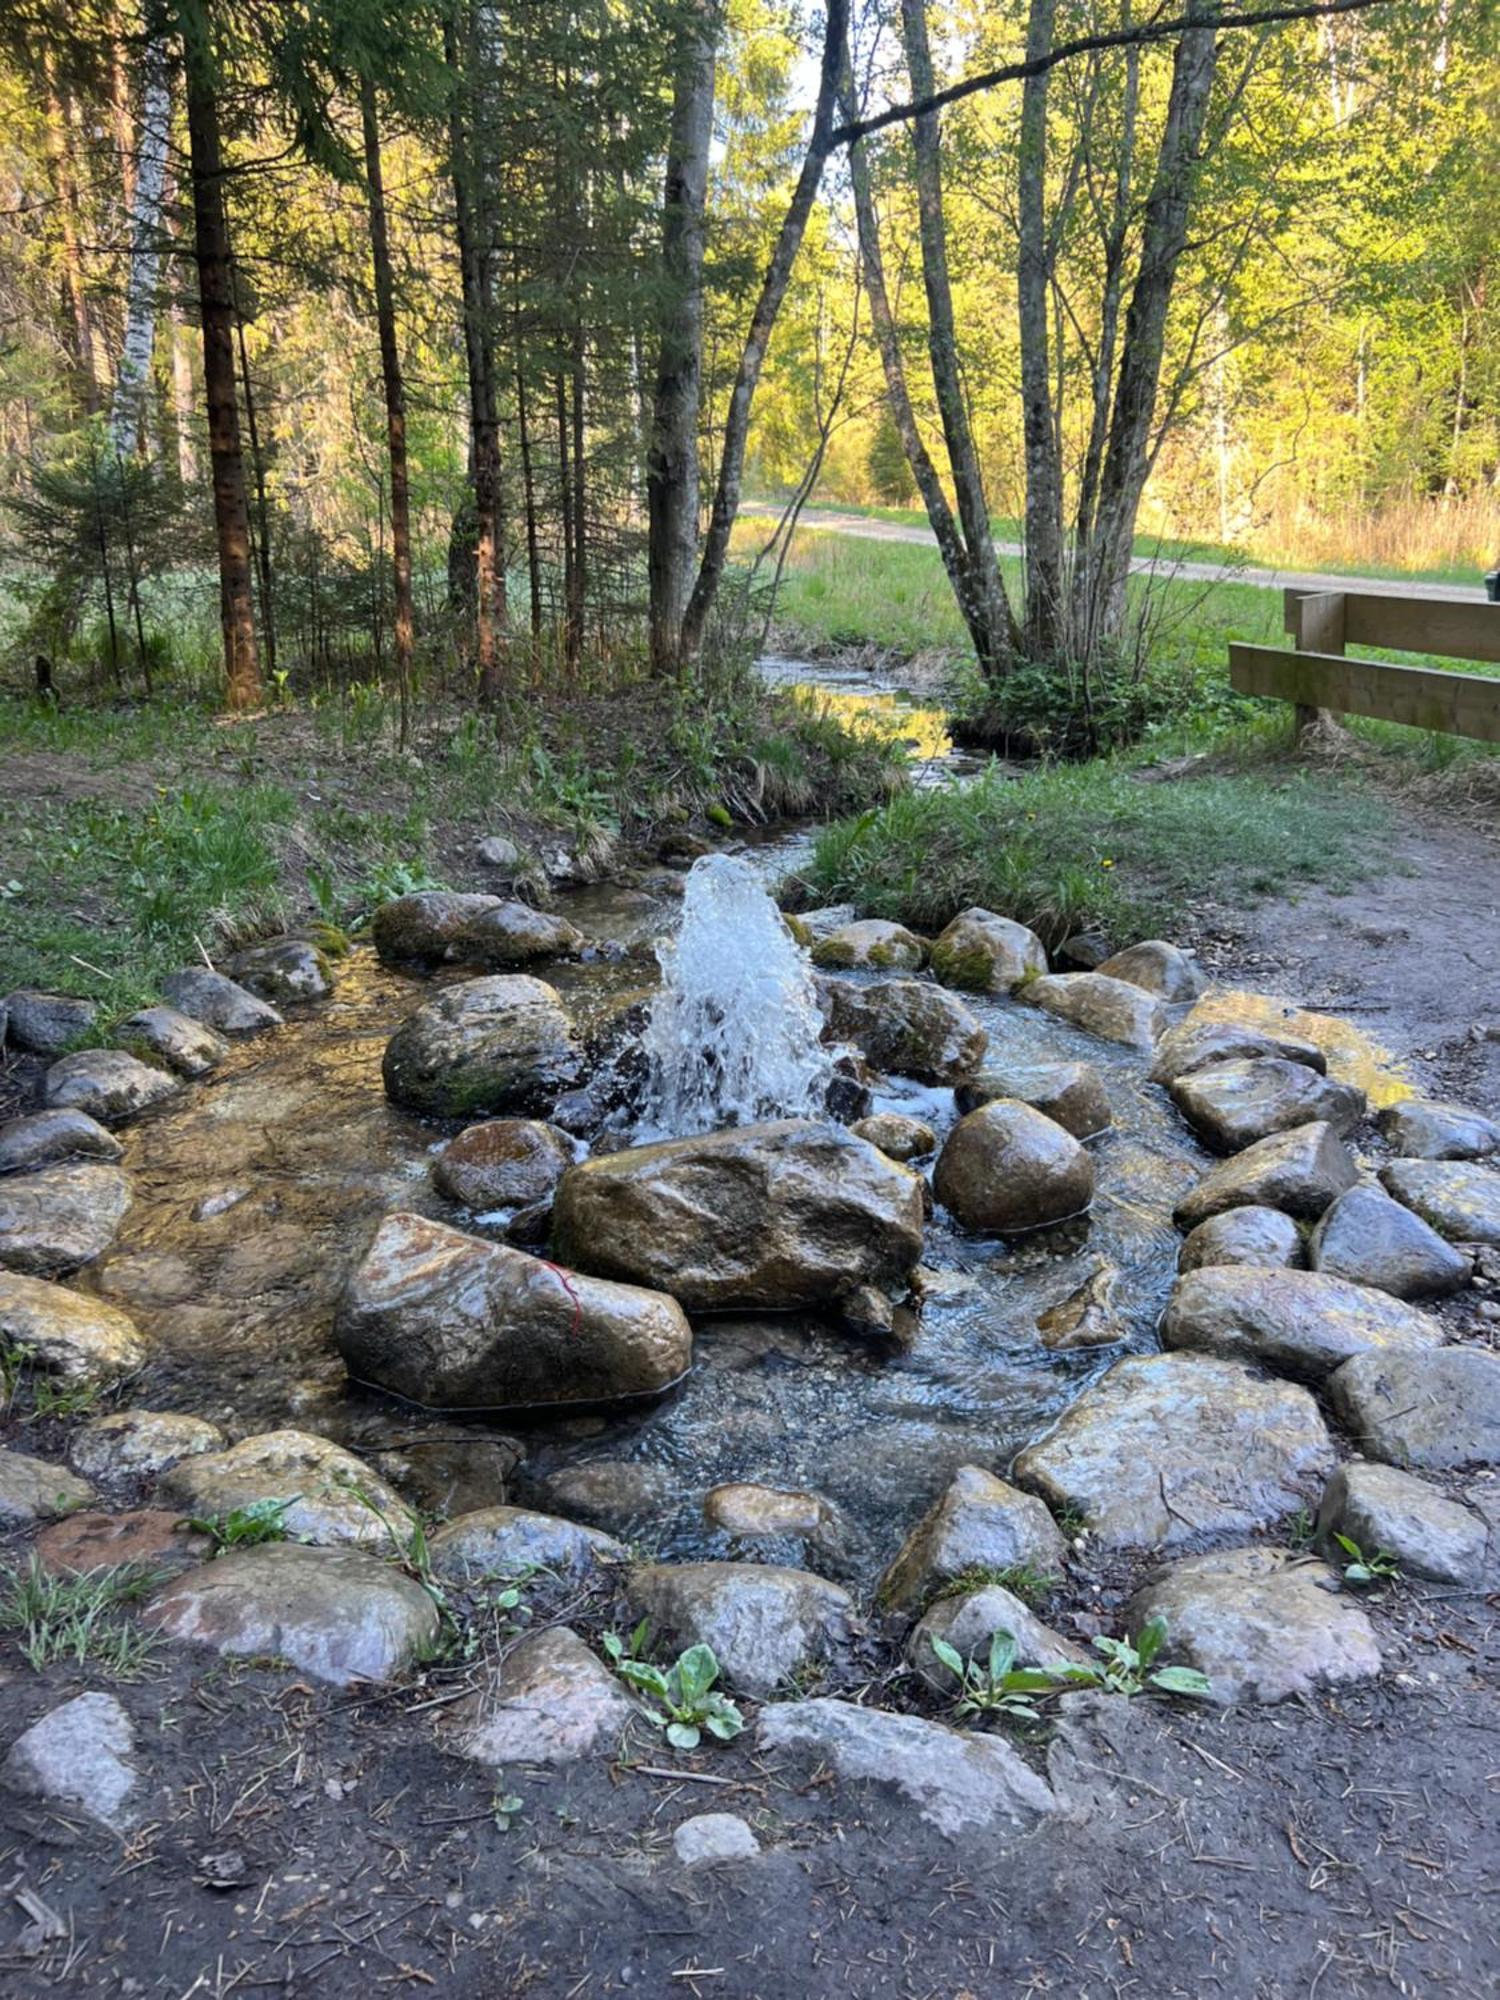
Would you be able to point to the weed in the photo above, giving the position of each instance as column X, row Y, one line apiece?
column 996, row 1686
column 1362, row 1572
column 76, row 1617
column 684, row 1699
column 1128, row 1667
column 1298, row 1529
column 1024, row 1580
column 51, row 1398
column 245, row 1527
column 505, row 1808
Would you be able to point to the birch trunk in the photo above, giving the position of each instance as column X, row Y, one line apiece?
column 148, row 198
column 395, row 399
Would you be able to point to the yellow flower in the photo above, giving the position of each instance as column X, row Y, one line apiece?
column 1106, row 863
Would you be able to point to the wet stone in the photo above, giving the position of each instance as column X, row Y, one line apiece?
column 1430, row 1411
column 869, row 946
column 1252, row 1235
column 218, row 1002
column 553, row 1702
column 1086, row 1317
column 60, row 1218
column 709, row 1838
column 285, row 971
column 140, row 1444
column 67, row 1334
column 109, row 1084
column 980, row 1523
column 768, row 1513
column 341, row 1615
column 895, row 1135
column 1158, row 967
column 514, row 1541
column 968, row 1622
column 905, row 1027
column 503, row 1163
column 1299, row 1172
column 1167, row 1446
column 1302, row 1323
column 1461, row 1202
column 1369, row 1238
column 1261, row 1623
column 766, row 1624
column 501, row 1044
column 48, row 1138
column 321, row 1480
column 619, row 1495
column 1071, row 1094
column 46, row 1024
column 1005, row 1169
column 959, row 1783
column 1194, row 1044
column 422, row 926
column 1231, row 1105
column 984, row 953
column 1112, row 1009
column 1421, row 1130
column 512, row 934
column 1382, row 1509
column 80, row 1754
column 183, row 1044
column 33, row 1489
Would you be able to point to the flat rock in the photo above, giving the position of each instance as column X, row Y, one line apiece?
column 504, row 1043
column 452, row 1321
column 46, row 1138
column 985, row 953
column 153, row 1538
column 1251, row 1235
column 979, row 1523
column 770, row 1513
column 1195, row 1043
column 1369, row 1238
column 869, row 946
column 1382, row 1509
column 321, row 1480
column 1461, row 1202
column 1430, row 1411
column 1005, row 1169
column 1302, row 1323
column 968, row 1622
column 109, row 1084
column 1086, row 1317
column 183, row 1044
column 1419, row 1129
column 959, row 1783
column 1232, row 1104
column 285, row 971
column 46, row 1024
column 1071, row 1094
column 218, row 1002
column 553, row 1702
column 709, row 1838
column 140, row 1444
column 1167, row 1446
column 32, row 1489
column 514, row 1541
column 1261, row 1623
column 1112, row 1009
column 905, row 1027
column 67, row 1334
column 80, row 1754
column 895, row 1135
column 60, row 1218
column 1158, row 967
column 502, row 1163
column 341, row 1615
column 1299, row 1172
column 766, row 1624
column 423, row 925
column 771, row 1216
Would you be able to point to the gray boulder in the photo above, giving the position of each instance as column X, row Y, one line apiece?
column 985, row 953
column 1299, row 1172
column 48, row 1138
column 1112, row 1009
column 140, row 1444
column 80, row 1754
column 1197, row 1042
column 33, row 1490
column 1430, row 1411
column 1302, row 1323
column 496, row 850
column 869, row 946
column 1262, row 1624
column 1071, row 1094
column 1158, row 967
column 451, row 1321
column 503, row 1163
column 218, row 1002
column 1421, row 1130
column 552, row 1702
column 1461, row 1202
column 1369, row 1238
column 504, row 1043
column 1251, row 1235
column 183, row 1044
column 46, row 1024
column 905, row 1027
column 1381, row 1509
column 1231, row 1105
column 423, row 926
column 108, row 1084
column 60, row 1218
column 1005, row 1169
column 514, row 1542
column 766, row 1625
column 67, row 1334
column 334, row 1497
column 513, row 934
column 286, row 971
column 770, row 1216
column 979, row 1523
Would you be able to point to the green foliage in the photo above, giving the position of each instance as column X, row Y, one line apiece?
column 1362, row 1571
column 890, row 473
column 1024, row 1580
column 996, row 1685
column 1128, row 1668
column 245, row 1527
column 76, row 1617
column 682, row 1699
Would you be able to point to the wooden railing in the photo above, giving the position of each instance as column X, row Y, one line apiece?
column 1320, row 675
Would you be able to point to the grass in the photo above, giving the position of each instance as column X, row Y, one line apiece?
column 77, row 1617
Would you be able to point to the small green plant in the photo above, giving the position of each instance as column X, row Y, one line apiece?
column 14, row 1361
column 685, row 1699
column 1024, row 1580
column 506, row 1808
column 996, row 1685
column 77, row 1617
column 1128, row 1667
column 1362, row 1572
column 245, row 1527
column 1300, row 1528
column 50, row 1398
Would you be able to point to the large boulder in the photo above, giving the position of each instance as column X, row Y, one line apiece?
column 906, row 1027
column 1384, row 1510
column 503, row 1163
column 503, row 1043
column 60, row 1218
column 1231, row 1105
column 1158, row 967
column 424, row 925
column 454, row 1322
column 1301, row 1323
column 109, row 1084
column 1261, row 1623
column 1299, row 1172
column 1429, row 1410
column 984, row 953
column 1250, row 1235
column 1168, row 1446
column 1196, row 1043
column 46, row 1024
column 333, row 1496
column 64, row 1333
column 47, row 1138
column 218, row 1002
column 978, row 1524
column 1112, row 1009
column 515, row 1541
column 285, row 971
column 1005, row 1168
column 1419, row 1129
column 770, row 1216
column 869, row 946
column 1461, row 1202
column 1071, row 1094
column 766, row 1625
column 515, row 934
column 1367, row 1237
column 183, row 1044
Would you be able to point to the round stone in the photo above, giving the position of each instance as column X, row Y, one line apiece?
column 1005, row 1169
column 503, row 1163
column 1249, row 1235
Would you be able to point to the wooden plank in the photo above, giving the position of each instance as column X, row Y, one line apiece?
column 1420, row 697
column 1319, row 623
column 1450, row 629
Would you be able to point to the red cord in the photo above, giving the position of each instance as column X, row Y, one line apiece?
column 567, row 1284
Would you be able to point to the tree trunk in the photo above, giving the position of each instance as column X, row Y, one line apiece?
column 216, row 310
column 184, row 404
column 395, row 402
column 578, row 596
column 58, row 129
column 260, row 541
column 149, row 193
column 1043, row 629
column 672, row 458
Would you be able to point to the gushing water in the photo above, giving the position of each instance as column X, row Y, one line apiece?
column 733, row 1033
